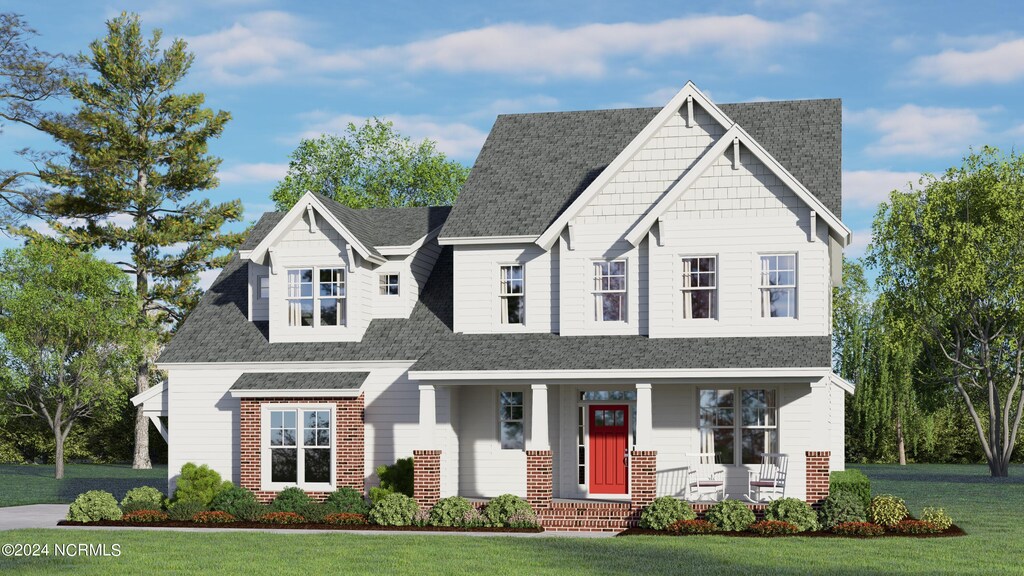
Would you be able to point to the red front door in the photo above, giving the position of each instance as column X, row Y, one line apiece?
column 609, row 439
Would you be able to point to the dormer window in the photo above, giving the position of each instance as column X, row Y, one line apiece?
column 610, row 291
column 512, row 293
column 324, row 306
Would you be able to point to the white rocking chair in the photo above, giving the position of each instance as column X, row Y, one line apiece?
column 769, row 482
column 705, row 477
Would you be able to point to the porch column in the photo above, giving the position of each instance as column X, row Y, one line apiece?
column 539, row 439
column 644, row 418
column 539, row 481
column 426, row 462
column 428, row 416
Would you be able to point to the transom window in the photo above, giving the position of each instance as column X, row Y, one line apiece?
column 300, row 458
column 738, row 440
column 778, row 286
column 389, row 284
column 610, row 291
column 510, row 414
column 700, row 287
column 512, row 294
column 323, row 307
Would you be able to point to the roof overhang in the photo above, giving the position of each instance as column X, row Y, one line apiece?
column 409, row 249
column 842, row 383
column 793, row 374
column 464, row 240
column 153, row 401
column 332, row 384
column 296, row 393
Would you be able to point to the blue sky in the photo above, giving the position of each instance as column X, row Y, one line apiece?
column 920, row 81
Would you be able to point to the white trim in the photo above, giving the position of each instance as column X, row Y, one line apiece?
column 409, row 249
column 550, row 235
column 152, row 392
column 291, row 366
column 844, row 384
column 265, row 450
column 801, row 373
column 297, row 393
column 159, row 426
column 466, row 240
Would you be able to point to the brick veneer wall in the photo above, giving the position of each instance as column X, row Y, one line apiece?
column 349, row 449
column 643, row 484
column 538, row 478
column 426, row 477
column 817, row 470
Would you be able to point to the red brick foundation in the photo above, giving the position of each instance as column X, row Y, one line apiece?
column 817, row 470
column 584, row 516
column 538, row 478
column 426, row 477
column 350, row 462
column 642, row 480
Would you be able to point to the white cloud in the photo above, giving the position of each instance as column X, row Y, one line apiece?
column 1000, row 63
column 866, row 188
column 269, row 45
column 254, row 172
column 456, row 139
column 921, row 130
column 861, row 239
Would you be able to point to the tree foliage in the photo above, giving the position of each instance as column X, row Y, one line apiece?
column 950, row 257
column 371, row 166
column 69, row 336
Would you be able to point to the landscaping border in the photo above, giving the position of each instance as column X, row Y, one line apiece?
column 302, row 526
column 951, row 532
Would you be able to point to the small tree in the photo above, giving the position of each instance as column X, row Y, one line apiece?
column 371, row 166
column 951, row 259
column 69, row 336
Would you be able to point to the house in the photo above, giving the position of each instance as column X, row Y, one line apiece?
column 613, row 290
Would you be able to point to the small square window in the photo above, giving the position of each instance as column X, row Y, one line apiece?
column 262, row 287
column 389, row 284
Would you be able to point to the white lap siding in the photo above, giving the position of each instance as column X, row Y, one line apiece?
column 476, row 288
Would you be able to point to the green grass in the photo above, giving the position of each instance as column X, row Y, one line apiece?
column 34, row 484
column 988, row 510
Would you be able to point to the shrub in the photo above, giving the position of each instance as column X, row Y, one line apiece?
column 213, row 517
column 853, row 482
column 290, row 500
column 449, row 511
column 664, row 512
column 908, row 526
column 199, row 483
column 345, row 519
column 184, row 510
column 501, row 509
column 887, row 510
column 730, row 516
column 394, row 510
column 145, row 515
column 282, row 518
column 774, row 528
column 841, row 508
column 858, row 529
column 94, row 505
column 249, row 511
column 474, row 518
column 421, row 517
column 231, row 499
column 937, row 516
column 377, row 494
column 397, row 477
column 523, row 520
column 142, row 498
column 692, row 527
column 316, row 512
column 793, row 511
column 347, row 500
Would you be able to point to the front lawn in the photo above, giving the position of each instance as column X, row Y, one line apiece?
column 987, row 510
column 32, row 484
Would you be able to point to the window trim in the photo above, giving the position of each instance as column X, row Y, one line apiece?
column 316, row 298
column 597, row 292
column 760, row 288
column 715, row 294
column 502, row 295
column 265, row 450
column 502, row 420
column 383, row 284
column 737, row 426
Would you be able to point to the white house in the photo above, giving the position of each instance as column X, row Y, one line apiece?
column 612, row 291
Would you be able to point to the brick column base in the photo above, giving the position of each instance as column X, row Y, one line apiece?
column 538, row 478
column 642, row 480
column 426, row 477
column 817, row 470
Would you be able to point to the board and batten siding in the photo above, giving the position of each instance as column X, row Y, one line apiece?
column 477, row 285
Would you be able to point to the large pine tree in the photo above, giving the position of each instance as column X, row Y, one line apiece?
column 136, row 153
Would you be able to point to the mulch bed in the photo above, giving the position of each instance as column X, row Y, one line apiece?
column 265, row 526
column 952, row 531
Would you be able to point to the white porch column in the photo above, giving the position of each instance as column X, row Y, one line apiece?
column 539, row 439
column 644, row 418
column 428, row 417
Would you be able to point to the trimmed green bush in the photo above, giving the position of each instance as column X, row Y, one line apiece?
column 792, row 510
column 377, row 494
column 229, row 499
column 450, row 511
column 394, row 510
column 145, row 516
column 347, row 500
column 291, row 499
column 249, row 511
column 142, row 498
column 852, row 481
column 474, row 518
column 397, row 477
column 730, row 516
column 185, row 510
column 841, row 508
column 421, row 517
column 523, row 520
column 199, row 483
column 887, row 510
column 937, row 516
column 504, row 507
column 94, row 505
column 664, row 512
column 316, row 512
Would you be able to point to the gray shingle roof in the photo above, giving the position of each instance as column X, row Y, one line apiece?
column 533, row 166
column 300, row 381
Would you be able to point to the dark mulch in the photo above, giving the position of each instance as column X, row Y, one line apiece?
column 952, row 531
column 261, row 525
